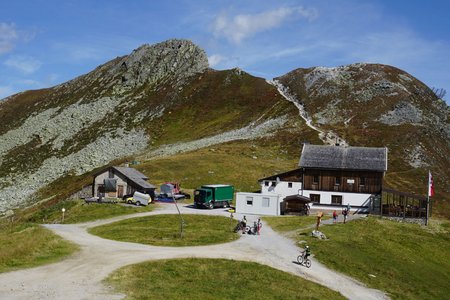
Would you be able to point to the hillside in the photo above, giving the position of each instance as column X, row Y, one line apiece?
column 379, row 105
column 157, row 95
column 163, row 105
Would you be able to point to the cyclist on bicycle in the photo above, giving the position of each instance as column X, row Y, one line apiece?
column 307, row 252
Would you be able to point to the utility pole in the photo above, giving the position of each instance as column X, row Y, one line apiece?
column 179, row 213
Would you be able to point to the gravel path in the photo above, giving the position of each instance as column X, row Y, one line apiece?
column 81, row 275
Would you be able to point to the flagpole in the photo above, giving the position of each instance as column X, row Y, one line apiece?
column 428, row 199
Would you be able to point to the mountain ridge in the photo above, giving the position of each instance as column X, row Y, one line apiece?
column 165, row 94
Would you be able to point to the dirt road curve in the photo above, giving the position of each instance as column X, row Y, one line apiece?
column 81, row 275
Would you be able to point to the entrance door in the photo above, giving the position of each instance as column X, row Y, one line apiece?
column 101, row 190
column 119, row 191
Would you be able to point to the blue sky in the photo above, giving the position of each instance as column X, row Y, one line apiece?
column 46, row 42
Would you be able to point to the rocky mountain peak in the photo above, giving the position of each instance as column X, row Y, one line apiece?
column 176, row 59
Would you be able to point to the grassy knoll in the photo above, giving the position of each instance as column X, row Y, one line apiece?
column 77, row 211
column 163, row 230
column 238, row 163
column 212, row 279
column 291, row 223
column 407, row 261
column 30, row 245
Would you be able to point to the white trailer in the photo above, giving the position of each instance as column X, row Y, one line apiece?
column 258, row 204
column 141, row 198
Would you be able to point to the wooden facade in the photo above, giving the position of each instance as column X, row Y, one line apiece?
column 347, row 181
column 333, row 177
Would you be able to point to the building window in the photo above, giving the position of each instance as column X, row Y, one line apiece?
column 337, row 180
column 265, row 202
column 315, row 198
column 266, row 183
column 289, row 184
column 336, row 199
column 274, row 183
column 315, row 179
column 362, row 180
column 249, row 201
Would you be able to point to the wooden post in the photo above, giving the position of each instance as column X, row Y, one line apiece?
column 405, row 200
column 181, row 217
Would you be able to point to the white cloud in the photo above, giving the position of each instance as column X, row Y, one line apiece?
column 8, row 37
column 243, row 26
column 24, row 64
column 215, row 59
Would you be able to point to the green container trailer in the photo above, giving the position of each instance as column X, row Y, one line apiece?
column 213, row 195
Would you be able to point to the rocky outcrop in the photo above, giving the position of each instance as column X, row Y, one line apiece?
column 404, row 112
column 175, row 59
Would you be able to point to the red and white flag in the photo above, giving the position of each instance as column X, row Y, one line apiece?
column 430, row 185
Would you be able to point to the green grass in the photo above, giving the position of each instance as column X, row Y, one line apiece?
column 77, row 211
column 238, row 163
column 212, row 279
column 30, row 245
column 408, row 260
column 164, row 230
column 291, row 223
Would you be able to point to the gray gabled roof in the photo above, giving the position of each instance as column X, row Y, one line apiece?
column 346, row 158
column 135, row 176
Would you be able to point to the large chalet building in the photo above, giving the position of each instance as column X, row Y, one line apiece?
column 327, row 177
column 333, row 176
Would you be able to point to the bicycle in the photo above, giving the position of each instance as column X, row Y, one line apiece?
column 302, row 260
column 240, row 226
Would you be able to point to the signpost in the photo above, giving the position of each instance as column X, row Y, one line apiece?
column 63, row 211
column 179, row 213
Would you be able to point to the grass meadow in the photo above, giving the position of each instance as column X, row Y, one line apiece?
column 407, row 261
column 30, row 245
column 164, row 230
column 198, row 278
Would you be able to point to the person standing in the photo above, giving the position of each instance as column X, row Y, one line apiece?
column 244, row 224
column 344, row 213
column 319, row 219
column 335, row 216
column 259, row 224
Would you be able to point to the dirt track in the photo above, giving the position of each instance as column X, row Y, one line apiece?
column 81, row 275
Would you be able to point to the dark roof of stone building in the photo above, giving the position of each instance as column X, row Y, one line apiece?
column 130, row 172
column 345, row 158
column 134, row 175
